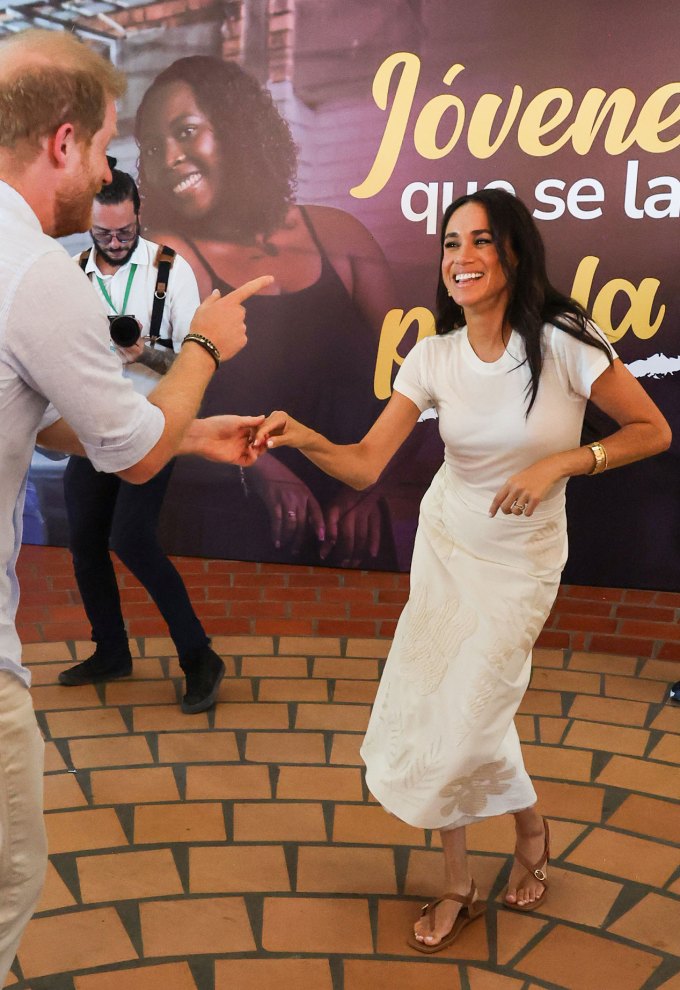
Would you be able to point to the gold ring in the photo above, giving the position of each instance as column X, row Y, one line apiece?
column 520, row 508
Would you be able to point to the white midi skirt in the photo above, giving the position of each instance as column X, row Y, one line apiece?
column 441, row 748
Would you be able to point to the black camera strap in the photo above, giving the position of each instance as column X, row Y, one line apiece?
column 165, row 259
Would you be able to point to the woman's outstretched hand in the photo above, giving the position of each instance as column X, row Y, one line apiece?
column 281, row 430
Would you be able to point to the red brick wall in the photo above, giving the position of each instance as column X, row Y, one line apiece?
column 279, row 599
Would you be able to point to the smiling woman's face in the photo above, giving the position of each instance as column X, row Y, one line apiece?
column 471, row 268
column 179, row 151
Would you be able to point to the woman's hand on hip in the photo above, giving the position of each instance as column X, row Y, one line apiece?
column 523, row 492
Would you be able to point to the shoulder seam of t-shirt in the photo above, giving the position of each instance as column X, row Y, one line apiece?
column 595, row 353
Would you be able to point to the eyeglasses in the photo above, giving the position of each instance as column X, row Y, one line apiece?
column 123, row 234
column 112, row 161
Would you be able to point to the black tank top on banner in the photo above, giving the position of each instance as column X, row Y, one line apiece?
column 310, row 352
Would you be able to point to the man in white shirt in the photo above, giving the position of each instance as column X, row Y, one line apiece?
column 124, row 269
column 60, row 382
column 125, row 272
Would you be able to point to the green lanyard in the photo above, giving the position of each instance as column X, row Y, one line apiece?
column 131, row 276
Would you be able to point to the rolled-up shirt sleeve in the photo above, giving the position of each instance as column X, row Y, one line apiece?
column 49, row 417
column 58, row 341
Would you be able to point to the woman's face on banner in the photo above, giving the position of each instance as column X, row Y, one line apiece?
column 179, row 151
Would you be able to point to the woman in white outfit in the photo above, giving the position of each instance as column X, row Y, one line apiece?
column 509, row 373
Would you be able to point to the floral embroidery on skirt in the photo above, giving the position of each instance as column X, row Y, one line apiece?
column 470, row 794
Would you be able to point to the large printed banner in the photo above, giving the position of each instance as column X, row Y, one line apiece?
column 395, row 108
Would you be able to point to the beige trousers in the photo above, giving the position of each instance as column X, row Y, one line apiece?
column 23, row 846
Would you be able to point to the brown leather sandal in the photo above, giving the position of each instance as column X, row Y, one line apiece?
column 470, row 910
column 533, row 870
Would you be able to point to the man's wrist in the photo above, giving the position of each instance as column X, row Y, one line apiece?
column 192, row 439
column 206, row 344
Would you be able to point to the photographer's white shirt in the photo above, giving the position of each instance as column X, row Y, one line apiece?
column 181, row 300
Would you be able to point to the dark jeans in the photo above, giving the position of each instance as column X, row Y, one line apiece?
column 101, row 507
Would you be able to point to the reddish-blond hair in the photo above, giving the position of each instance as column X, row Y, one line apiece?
column 49, row 78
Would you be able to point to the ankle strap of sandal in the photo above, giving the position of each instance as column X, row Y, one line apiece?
column 536, row 869
column 451, row 896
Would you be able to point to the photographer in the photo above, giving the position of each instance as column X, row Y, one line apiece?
column 153, row 293
column 147, row 290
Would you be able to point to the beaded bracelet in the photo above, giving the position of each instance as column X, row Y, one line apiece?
column 206, row 344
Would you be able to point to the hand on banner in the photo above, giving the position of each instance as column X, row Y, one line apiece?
column 291, row 507
column 222, row 318
column 228, row 439
column 353, row 526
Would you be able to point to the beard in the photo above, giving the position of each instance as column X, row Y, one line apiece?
column 116, row 262
column 73, row 205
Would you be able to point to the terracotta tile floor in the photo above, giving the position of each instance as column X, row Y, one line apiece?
column 240, row 850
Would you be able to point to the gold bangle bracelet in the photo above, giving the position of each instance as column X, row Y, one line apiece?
column 600, row 455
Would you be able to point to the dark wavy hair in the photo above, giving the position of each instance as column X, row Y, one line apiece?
column 533, row 300
column 259, row 179
column 121, row 189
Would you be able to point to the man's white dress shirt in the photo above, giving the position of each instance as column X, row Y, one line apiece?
column 55, row 361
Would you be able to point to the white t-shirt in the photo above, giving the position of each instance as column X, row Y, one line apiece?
column 482, row 406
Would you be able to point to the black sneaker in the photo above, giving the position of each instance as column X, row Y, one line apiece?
column 674, row 693
column 103, row 665
column 203, row 671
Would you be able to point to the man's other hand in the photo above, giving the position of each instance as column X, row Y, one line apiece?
column 222, row 318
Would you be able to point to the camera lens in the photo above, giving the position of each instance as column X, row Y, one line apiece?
column 124, row 330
